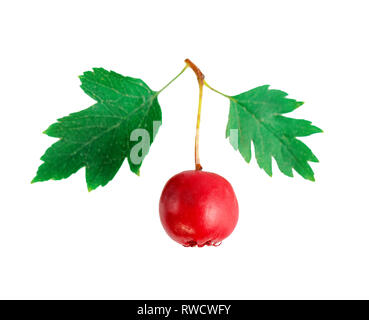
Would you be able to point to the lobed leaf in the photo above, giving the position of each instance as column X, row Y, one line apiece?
column 257, row 117
column 98, row 138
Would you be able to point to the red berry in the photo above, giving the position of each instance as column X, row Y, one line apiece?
column 198, row 208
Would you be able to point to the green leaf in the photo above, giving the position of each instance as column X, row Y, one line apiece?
column 256, row 115
column 99, row 138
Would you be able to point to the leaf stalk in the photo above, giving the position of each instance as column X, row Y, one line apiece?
column 211, row 88
column 175, row 78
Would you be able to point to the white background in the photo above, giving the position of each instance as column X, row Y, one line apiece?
column 295, row 239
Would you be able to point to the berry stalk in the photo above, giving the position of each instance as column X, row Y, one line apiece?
column 200, row 79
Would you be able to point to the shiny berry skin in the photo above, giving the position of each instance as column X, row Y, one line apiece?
column 198, row 208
